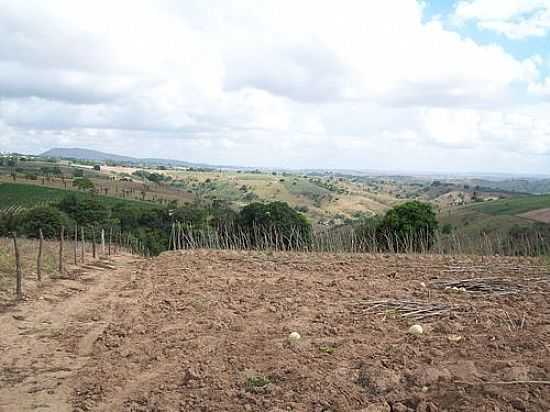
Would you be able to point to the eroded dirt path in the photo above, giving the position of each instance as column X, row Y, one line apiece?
column 44, row 342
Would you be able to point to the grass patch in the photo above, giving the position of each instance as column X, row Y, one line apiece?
column 257, row 383
column 327, row 349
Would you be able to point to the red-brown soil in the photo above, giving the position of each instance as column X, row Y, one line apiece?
column 540, row 215
column 208, row 331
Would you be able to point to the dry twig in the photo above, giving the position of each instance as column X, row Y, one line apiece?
column 407, row 309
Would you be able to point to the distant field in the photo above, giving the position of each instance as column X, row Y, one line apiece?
column 23, row 195
column 540, row 215
column 496, row 215
column 513, row 206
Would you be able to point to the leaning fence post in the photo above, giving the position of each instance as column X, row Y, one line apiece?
column 18, row 271
column 61, row 239
column 39, row 258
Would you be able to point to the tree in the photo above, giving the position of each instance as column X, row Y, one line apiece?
column 97, row 167
column 410, row 226
column 10, row 221
column 47, row 218
column 196, row 217
column 83, row 183
column 277, row 221
column 87, row 212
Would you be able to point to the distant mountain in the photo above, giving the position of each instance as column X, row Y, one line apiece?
column 94, row 155
column 86, row 154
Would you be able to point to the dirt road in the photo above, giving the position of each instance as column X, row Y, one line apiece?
column 46, row 341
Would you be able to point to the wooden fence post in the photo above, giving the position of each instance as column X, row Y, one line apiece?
column 93, row 244
column 39, row 258
column 75, row 244
column 61, row 240
column 103, row 242
column 82, row 244
column 18, row 271
column 110, row 240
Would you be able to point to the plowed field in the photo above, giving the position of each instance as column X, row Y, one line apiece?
column 209, row 331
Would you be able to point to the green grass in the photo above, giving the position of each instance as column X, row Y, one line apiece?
column 512, row 206
column 257, row 383
column 224, row 190
column 27, row 196
column 303, row 187
column 494, row 216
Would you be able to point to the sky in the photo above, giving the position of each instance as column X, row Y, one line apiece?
column 402, row 85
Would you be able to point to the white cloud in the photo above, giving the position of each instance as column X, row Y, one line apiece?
column 541, row 88
column 261, row 82
column 516, row 19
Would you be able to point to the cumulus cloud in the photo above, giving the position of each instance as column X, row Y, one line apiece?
column 269, row 83
column 515, row 19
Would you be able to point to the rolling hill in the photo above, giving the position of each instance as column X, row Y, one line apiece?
column 497, row 215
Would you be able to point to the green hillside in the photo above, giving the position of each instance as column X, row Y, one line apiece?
column 494, row 216
column 26, row 196
column 512, row 206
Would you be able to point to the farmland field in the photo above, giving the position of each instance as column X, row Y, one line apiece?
column 539, row 215
column 497, row 215
column 14, row 194
column 26, row 196
column 209, row 330
column 513, row 206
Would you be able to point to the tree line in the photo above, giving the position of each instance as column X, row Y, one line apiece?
column 409, row 227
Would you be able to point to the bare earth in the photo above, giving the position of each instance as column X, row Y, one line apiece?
column 208, row 331
column 46, row 340
column 540, row 215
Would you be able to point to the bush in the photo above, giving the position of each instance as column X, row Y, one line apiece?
column 410, row 226
column 49, row 219
column 83, row 183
